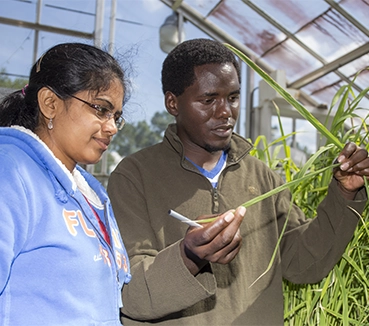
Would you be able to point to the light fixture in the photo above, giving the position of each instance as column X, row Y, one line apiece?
column 171, row 32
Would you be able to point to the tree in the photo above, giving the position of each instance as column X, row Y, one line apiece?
column 15, row 84
column 131, row 139
column 139, row 135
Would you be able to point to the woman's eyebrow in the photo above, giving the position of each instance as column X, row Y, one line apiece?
column 110, row 106
column 108, row 103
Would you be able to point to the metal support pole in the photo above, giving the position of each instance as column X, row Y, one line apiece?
column 113, row 14
column 249, row 116
column 180, row 27
column 294, row 143
column 104, row 173
column 99, row 23
column 98, row 40
column 35, row 41
column 238, row 122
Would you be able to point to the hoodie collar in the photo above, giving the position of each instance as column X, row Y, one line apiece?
column 30, row 143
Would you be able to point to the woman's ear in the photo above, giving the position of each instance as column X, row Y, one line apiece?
column 47, row 102
column 171, row 103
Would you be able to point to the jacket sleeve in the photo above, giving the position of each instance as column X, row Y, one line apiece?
column 158, row 273
column 13, row 216
column 310, row 248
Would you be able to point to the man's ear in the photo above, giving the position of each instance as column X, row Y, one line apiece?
column 171, row 103
column 47, row 102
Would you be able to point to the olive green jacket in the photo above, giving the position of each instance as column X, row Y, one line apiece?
column 147, row 184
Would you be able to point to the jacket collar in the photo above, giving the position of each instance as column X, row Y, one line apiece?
column 238, row 149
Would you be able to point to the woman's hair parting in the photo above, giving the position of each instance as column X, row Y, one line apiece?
column 66, row 69
column 178, row 68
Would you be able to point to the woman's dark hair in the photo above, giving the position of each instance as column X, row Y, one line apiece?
column 66, row 69
column 178, row 68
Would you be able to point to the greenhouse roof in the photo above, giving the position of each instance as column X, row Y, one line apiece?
column 320, row 44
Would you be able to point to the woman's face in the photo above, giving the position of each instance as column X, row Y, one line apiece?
column 78, row 134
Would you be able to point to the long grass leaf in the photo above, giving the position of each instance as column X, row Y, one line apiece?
column 288, row 97
column 276, row 248
column 275, row 190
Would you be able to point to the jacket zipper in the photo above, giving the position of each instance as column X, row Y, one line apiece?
column 101, row 238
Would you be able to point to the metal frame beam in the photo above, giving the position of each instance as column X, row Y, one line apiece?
column 329, row 67
column 44, row 28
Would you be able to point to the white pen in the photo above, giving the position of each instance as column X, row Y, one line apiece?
column 183, row 218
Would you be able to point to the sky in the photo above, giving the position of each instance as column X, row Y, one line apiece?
column 136, row 41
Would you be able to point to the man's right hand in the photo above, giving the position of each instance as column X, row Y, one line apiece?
column 216, row 242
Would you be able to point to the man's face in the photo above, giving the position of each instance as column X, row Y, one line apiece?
column 207, row 110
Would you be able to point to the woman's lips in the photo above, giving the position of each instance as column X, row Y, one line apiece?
column 103, row 142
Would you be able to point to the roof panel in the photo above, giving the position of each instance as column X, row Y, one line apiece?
column 357, row 8
column 326, row 95
column 363, row 79
column 352, row 68
column 292, row 15
column 290, row 57
column 202, row 6
column 323, row 82
column 244, row 24
column 332, row 36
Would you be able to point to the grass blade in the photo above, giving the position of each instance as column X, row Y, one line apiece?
column 288, row 97
column 276, row 190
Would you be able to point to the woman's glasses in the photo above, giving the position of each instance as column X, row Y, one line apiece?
column 104, row 113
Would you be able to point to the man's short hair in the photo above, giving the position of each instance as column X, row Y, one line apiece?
column 178, row 68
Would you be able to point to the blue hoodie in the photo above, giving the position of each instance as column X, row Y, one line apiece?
column 55, row 266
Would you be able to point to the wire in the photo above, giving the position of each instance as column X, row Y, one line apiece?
column 93, row 14
column 13, row 75
column 20, row 47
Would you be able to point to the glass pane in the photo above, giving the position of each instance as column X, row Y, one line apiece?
column 245, row 25
column 81, row 15
column 17, row 56
column 362, row 79
column 292, row 14
column 359, row 9
column 305, row 136
column 320, row 83
column 293, row 59
column 286, row 125
column 332, row 36
column 352, row 68
column 202, row 6
column 325, row 95
column 19, row 10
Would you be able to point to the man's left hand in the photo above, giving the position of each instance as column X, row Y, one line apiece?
column 352, row 170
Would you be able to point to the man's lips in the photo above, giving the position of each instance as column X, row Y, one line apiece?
column 223, row 130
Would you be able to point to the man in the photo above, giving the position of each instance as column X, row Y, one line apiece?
column 203, row 276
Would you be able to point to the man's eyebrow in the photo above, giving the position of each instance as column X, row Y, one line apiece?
column 210, row 94
column 216, row 93
column 237, row 91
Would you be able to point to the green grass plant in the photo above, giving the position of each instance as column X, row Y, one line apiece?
column 342, row 298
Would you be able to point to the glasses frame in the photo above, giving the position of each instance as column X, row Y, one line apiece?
column 119, row 121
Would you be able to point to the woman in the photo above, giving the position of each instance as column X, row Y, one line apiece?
column 62, row 260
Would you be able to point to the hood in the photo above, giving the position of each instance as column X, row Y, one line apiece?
column 28, row 142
